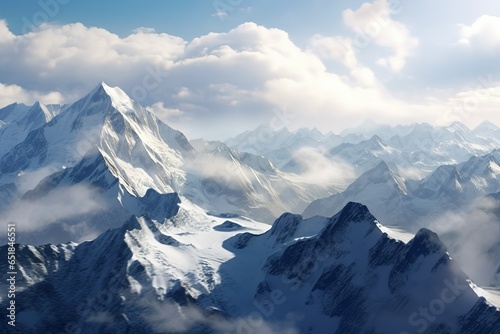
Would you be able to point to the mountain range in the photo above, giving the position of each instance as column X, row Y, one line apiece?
column 124, row 225
column 205, row 274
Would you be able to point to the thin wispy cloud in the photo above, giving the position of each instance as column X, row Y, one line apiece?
column 33, row 216
column 472, row 238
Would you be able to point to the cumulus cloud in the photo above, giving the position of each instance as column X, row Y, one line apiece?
column 58, row 57
column 235, row 78
column 373, row 22
column 342, row 50
column 483, row 34
column 14, row 93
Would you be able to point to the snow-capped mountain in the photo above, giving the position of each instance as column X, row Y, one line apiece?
column 171, row 248
column 460, row 184
column 406, row 202
column 279, row 145
column 416, row 149
column 487, row 130
column 121, row 129
column 383, row 191
column 244, row 183
column 17, row 120
column 423, row 149
column 451, row 200
column 370, row 128
column 92, row 174
column 445, row 145
column 120, row 152
column 366, row 154
column 206, row 274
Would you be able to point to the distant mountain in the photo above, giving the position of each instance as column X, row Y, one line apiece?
column 244, row 183
column 17, row 120
column 487, row 130
column 420, row 150
column 460, row 184
column 279, row 145
column 383, row 191
column 416, row 149
column 370, row 128
column 366, row 154
column 344, row 274
column 406, row 202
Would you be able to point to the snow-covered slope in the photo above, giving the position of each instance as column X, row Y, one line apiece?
column 354, row 278
column 407, row 202
column 17, row 120
column 460, row 184
column 124, row 275
column 244, row 183
column 93, row 174
column 279, row 145
column 130, row 137
column 383, row 191
column 421, row 149
column 345, row 274
column 417, row 149
column 367, row 154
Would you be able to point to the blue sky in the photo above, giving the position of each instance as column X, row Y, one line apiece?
column 191, row 18
column 239, row 63
column 187, row 19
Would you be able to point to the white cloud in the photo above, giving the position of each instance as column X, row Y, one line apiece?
column 235, row 78
column 169, row 317
column 338, row 48
column 472, row 239
column 220, row 14
column 36, row 215
column 144, row 30
column 472, row 105
column 342, row 50
column 373, row 22
column 484, row 33
column 317, row 168
column 57, row 57
column 165, row 113
column 5, row 34
column 15, row 93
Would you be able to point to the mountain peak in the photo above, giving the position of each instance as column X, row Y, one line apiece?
column 285, row 227
column 118, row 98
column 352, row 214
column 458, row 126
column 382, row 167
column 486, row 126
column 426, row 242
column 381, row 173
column 265, row 127
column 375, row 142
column 354, row 207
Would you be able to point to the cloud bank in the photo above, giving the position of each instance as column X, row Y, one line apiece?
column 237, row 78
